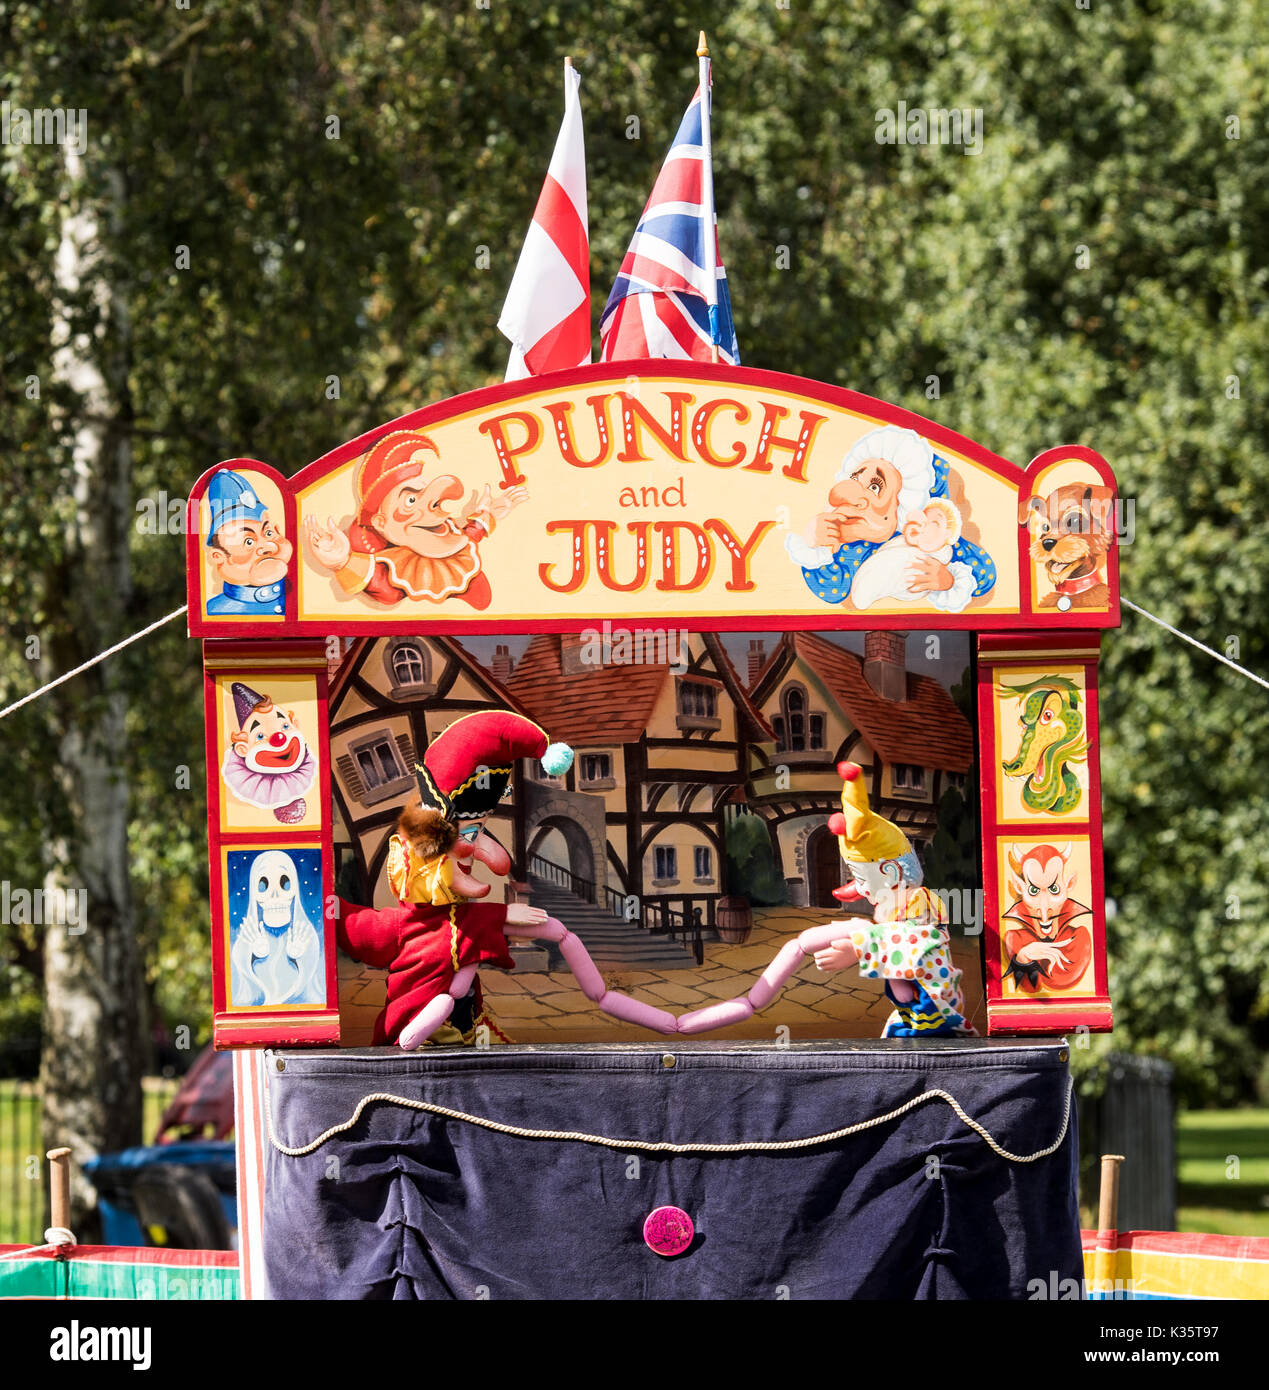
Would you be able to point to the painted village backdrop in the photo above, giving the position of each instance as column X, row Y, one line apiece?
column 688, row 841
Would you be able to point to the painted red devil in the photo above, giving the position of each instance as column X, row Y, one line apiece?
column 1049, row 945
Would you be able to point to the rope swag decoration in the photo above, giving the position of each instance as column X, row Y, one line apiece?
column 664, row 1145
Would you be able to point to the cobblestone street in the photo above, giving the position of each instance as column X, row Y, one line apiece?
column 550, row 1007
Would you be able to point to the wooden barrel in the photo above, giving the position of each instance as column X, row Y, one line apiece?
column 735, row 921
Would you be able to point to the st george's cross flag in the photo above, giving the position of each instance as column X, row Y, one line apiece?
column 660, row 303
column 547, row 310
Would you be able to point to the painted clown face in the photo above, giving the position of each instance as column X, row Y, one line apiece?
column 413, row 515
column 269, row 742
column 274, row 890
column 875, row 881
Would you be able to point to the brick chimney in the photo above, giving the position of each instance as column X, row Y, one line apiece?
column 757, row 659
column 885, row 664
column 502, row 665
column 571, row 663
column 333, row 663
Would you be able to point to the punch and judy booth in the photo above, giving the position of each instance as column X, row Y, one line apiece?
column 655, row 843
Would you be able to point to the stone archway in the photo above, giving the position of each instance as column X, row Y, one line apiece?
column 551, row 831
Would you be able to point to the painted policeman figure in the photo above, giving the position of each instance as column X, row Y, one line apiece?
column 246, row 550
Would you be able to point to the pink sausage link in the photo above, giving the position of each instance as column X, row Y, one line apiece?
column 774, row 978
column 636, row 1011
column 817, row 938
column 585, row 971
column 424, row 1023
column 715, row 1016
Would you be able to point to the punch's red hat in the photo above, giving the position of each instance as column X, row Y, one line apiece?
column 467, row 768
column 395, row 459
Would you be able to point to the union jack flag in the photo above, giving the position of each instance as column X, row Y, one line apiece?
column 660, row 303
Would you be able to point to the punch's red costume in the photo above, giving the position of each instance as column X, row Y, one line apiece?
column 437, row 930
column 1021, row 930
column 423, row 948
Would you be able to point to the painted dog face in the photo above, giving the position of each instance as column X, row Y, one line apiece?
column 1070, row 530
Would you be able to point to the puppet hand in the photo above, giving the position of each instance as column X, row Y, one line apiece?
column 522, row 915
column 329, row 545
column 837, row 956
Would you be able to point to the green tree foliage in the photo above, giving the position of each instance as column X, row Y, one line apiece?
column 1095, row 276
column 753, row 871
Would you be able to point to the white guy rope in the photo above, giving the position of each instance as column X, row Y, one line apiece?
column 1194, row 642
column 664, row 1145
column 176, row 613
column 101, row 656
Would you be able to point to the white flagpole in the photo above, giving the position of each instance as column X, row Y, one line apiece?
column 707, row 191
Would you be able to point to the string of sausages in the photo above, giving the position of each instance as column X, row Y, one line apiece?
column 617, row 1005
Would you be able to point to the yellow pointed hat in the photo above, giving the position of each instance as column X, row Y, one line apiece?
column 863, row 836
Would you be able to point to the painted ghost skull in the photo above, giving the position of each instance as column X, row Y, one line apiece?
column 276, row 957
column 275, row 890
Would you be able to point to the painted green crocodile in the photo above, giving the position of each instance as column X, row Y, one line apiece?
column 1052, row 738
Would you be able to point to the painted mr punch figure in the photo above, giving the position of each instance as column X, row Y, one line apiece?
column 405, row 543
column 888, row 479
column 246, row 550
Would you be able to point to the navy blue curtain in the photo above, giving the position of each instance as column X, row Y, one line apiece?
column 408, row 1205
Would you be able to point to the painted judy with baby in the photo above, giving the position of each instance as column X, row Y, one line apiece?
column 892, row 533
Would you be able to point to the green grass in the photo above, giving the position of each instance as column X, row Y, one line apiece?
column 1223, row 1172
column 20, row 1142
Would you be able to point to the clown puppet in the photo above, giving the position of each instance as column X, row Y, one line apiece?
column 889, row 477
column 1048, row 944
column 268, row 762
column 246, row 550
column 906, row 945
column 405, row 542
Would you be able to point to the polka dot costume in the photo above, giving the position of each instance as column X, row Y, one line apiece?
column 914, row 947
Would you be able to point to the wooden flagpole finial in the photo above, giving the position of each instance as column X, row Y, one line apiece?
column 568, row 62
column 702, row 48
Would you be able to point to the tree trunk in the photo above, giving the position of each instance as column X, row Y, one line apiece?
column 94, row 1026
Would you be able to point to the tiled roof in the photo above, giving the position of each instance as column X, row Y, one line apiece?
column 363, row 646
column 926, row 729
column 602, row 704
